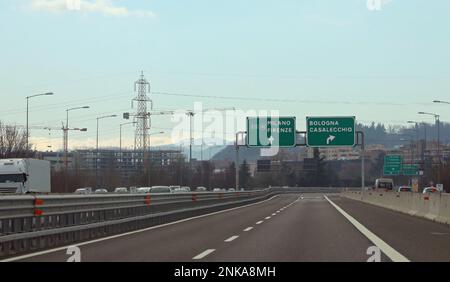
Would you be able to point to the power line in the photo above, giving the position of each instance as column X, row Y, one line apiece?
column 237, row 98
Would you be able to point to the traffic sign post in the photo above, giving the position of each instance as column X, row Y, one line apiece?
column 331, row 132
column 392, row 165
column 271, row 132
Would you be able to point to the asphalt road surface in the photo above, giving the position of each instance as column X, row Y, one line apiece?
column 293, row 228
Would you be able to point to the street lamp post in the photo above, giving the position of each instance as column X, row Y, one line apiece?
column 437, row 121
column 439, row 152
column 66, row 134
column 28, row 134
column 191, row 115
column 65, row 140
column 96, row 150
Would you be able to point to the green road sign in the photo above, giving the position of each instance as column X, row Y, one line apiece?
column 392, row 165
column 410, row 169
column 271, row 132
column 330, row 132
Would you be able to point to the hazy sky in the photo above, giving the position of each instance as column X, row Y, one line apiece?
column 315, row 57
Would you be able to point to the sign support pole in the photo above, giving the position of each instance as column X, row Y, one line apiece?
column 237, row 167
column 236, row 173
column 361, row 142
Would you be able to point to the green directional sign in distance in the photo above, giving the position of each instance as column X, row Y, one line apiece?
column 271, row 132
column 392, row 165
column 410, row 169
column 330, row 131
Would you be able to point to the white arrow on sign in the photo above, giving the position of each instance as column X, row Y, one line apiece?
column 330, row 139
column 271, row 139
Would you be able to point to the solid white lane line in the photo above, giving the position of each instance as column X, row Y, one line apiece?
column 248, row 229
column 204, row 254
column 129, row 233
column 259, row 222
column 232, row 238
column 384, row 247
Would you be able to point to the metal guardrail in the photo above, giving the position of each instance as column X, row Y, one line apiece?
column 29, row 223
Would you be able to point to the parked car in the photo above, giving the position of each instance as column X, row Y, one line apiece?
column 160, row 190
column 430, row 190
column 121, row 190
column 404, row 189
column 183, row 189
column 84, row 191
column 201, row 189
column 143, row 190
column 101, row 191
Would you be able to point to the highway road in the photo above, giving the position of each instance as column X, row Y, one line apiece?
column 292, row 228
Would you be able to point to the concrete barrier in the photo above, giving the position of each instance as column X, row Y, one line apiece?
column 434, row 207
column 444, row 211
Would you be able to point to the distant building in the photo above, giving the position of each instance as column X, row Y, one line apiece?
column 56, row 160
column 125, row 161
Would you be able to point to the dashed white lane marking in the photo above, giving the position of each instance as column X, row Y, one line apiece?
column 268, row 217
column 384, row 247
column 259, row 222
column 232, row 238
column 204, row 254
column 248, row 229
column 130, row 233
column 274, row 214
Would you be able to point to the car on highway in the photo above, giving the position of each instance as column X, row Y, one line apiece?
column 143, row 190
column 101, row 191
column 231, row 190
column 384, row 183
column 83, row 191
column 186, row 188
column 217, row 190
column 121, row 190
column 430, row 190
column 404, row 189
column 181, row 190
column 201, row 189
column 160, row 190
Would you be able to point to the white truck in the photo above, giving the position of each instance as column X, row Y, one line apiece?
column 23, row 176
